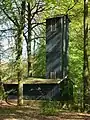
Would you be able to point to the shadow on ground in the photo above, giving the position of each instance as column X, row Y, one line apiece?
column 14, row 112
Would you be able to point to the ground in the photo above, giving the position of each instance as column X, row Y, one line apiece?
column 14, row 112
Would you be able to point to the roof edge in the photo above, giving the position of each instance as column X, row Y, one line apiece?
column 59, row 16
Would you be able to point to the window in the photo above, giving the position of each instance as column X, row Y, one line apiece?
column 53, row 24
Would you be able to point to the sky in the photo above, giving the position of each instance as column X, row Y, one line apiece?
column 7, row 41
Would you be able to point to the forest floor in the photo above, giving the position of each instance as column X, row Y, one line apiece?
column 14, row 112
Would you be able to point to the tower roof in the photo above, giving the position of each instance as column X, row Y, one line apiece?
column 59, row 16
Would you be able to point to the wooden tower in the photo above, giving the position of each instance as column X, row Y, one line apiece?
column 57, row 46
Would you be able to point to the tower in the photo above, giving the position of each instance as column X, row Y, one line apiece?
column 57, row 46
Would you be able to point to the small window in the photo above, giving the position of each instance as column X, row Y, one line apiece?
column 53, row 24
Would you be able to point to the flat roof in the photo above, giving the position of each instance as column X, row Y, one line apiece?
column 32, row 80
column 59, row 16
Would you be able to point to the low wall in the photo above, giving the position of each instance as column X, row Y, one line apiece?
column 50, row 91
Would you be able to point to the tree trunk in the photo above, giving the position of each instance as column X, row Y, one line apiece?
column 29, row 42
column 1, row 85
column 3, row 94
column 19, row 54
column 85, row 65
column 19, row 67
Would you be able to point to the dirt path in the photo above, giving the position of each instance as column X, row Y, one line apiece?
column 13, row 112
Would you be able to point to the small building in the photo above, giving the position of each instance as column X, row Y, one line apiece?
column 56, row 86
column 41, row 89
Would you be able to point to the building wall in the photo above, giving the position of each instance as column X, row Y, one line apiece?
column 62, row 91
column 56, row 47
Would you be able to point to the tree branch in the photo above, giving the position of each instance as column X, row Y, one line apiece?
column 36, row 24
column 72, row 6
column 9, row 29
column 17, row 7
column 38, row 9
column 36, row 38
column 9, row 17
column 25, row 37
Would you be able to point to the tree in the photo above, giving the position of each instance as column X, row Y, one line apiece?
column 86, row 64
column 3, row 94
column 39, row 64
column 9, row 9
column 29, row 40
column 34, row 9
column 20, row 31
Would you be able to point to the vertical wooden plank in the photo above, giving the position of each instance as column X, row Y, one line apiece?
column 56, row 47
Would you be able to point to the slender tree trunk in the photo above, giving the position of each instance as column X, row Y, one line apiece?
column 1, row 87
column 29, row 42
column 2, row 90
column 85, row 65
column 34, row 48
column 19, row 54
column 19, row 67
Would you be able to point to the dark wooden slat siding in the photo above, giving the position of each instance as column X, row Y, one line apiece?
column 57, row 47
column 62, row 39
column 34, row 91
column 53, row 46
column 65, row 46
column 39, row 91
column 53, row 91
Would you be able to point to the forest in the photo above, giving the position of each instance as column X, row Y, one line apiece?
column 23, row 56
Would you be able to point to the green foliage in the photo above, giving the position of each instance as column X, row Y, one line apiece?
column 52, row 8
column 39, row 65
column 49, row 108
column 75, row 41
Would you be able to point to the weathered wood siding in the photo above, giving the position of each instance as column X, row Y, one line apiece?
column 49, row 91
column 57, row 46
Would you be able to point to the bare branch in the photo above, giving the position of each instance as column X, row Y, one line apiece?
column 36, row 24
column 33, row 6
column 9, row 17
column 71, row 7
column 17, row 7
column 38, row 9
column 9, row 29
column 36, row 38
column 25, row 37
